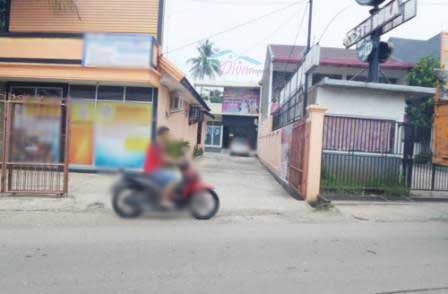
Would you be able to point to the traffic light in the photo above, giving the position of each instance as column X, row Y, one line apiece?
column 370, row 2
column 385, row 51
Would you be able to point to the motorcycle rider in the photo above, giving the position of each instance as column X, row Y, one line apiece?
column 158, row 165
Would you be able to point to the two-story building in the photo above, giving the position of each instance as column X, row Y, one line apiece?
column 103, row 57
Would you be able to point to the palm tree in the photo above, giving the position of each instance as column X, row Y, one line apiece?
column 205, row 65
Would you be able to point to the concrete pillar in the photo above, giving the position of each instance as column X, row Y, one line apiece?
column 315, row 118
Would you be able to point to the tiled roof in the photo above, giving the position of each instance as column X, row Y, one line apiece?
column 329, row 56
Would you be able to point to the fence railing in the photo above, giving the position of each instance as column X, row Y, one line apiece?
column 363, row 155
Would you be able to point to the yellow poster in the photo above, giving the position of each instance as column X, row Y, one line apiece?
column 81, row 133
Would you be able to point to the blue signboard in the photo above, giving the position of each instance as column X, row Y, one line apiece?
column 117, row 50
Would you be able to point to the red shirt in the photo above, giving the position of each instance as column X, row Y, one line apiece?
column 153, row 160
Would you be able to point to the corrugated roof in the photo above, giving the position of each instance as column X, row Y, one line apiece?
column 329, row 56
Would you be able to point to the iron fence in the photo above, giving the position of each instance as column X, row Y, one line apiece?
column 363, row 155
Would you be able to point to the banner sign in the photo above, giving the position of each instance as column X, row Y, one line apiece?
column 243, row 101
column 117, row 50
column 397, row 9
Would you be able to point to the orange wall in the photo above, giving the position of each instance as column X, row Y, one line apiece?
column 131, row 16
column 51, row 48
column 269, row 145
column 177, row 121
column 441, row 115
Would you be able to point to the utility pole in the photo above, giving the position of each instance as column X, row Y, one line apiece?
column 308, row 47
column 374, row 65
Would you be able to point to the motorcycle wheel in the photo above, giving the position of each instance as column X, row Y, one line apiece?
column 204, row 204
column 121, row 204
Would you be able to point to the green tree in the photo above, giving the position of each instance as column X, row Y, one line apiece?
column 3, row 15
column 205, row 65
column 420, row 112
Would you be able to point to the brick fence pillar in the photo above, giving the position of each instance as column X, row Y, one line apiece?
column 316, row 116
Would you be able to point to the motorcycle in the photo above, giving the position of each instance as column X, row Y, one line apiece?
column 134, row 193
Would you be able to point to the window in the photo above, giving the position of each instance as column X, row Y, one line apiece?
column 23, row 91
column 37, row 91
column 319, row 77
column 289, row 112
column 4, row 6
column 139, row 94
column 195, row 115
column 82, row 92
column 176, row 103
column 111, row 93
column 49, row 92
column 214, row 136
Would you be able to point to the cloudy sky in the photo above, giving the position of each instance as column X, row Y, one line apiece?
column 190, row 20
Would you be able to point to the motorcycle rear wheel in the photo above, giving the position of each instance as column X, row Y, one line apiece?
column 209, row 213
column 121, row 204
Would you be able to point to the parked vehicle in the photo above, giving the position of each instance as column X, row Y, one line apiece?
column 134, row 193
column 240, row 147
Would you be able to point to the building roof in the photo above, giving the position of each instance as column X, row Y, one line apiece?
column 329, row 56
column 420, row 48
column 410, row 91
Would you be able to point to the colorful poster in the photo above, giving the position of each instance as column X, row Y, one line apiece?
column 122, row 134
column 36, row 133
column 82, row 133
column 241, row 101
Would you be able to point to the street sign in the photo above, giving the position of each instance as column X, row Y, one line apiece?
column 364, row 49
column 408, row 11
column 376, row 21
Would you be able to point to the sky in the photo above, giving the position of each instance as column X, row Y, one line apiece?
column 188, row 21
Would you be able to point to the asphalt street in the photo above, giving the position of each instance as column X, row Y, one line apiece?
column 262, row 241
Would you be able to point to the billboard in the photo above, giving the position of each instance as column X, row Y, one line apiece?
column 117, row 50
column 242, row 101
column 237, row 68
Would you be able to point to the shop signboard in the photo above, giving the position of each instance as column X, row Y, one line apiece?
column 118, row 50
column 241, row 101
column 237, row 69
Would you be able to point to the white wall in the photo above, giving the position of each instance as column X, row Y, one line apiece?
column 362, row 102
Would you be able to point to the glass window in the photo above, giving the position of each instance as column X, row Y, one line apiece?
column 82, row 92
column 139, row 94
column 3, row 15
column 23, row 91
column 49, row 92
column 110, row 93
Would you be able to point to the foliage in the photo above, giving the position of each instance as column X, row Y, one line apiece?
column 420, row 112
column 205, row 65
column 177, row 148
column 198, row 151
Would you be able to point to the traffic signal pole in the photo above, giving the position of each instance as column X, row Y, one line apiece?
column 374, row 65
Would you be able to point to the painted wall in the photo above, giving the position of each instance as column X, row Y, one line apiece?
column 133, row 16
column 361, row 103
column 269, row 145
column 177, row 121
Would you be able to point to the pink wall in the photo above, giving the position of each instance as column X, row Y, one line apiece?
column 269, row 146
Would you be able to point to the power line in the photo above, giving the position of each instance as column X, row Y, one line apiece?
column 288, row 20
column 333, row 19
column 296, row 38
column 234, row 27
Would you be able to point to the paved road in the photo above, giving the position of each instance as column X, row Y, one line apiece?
column 192, row 257
column 263, row 241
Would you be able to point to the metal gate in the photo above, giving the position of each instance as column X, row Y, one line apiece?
column 297, row 159
column 35, row 142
